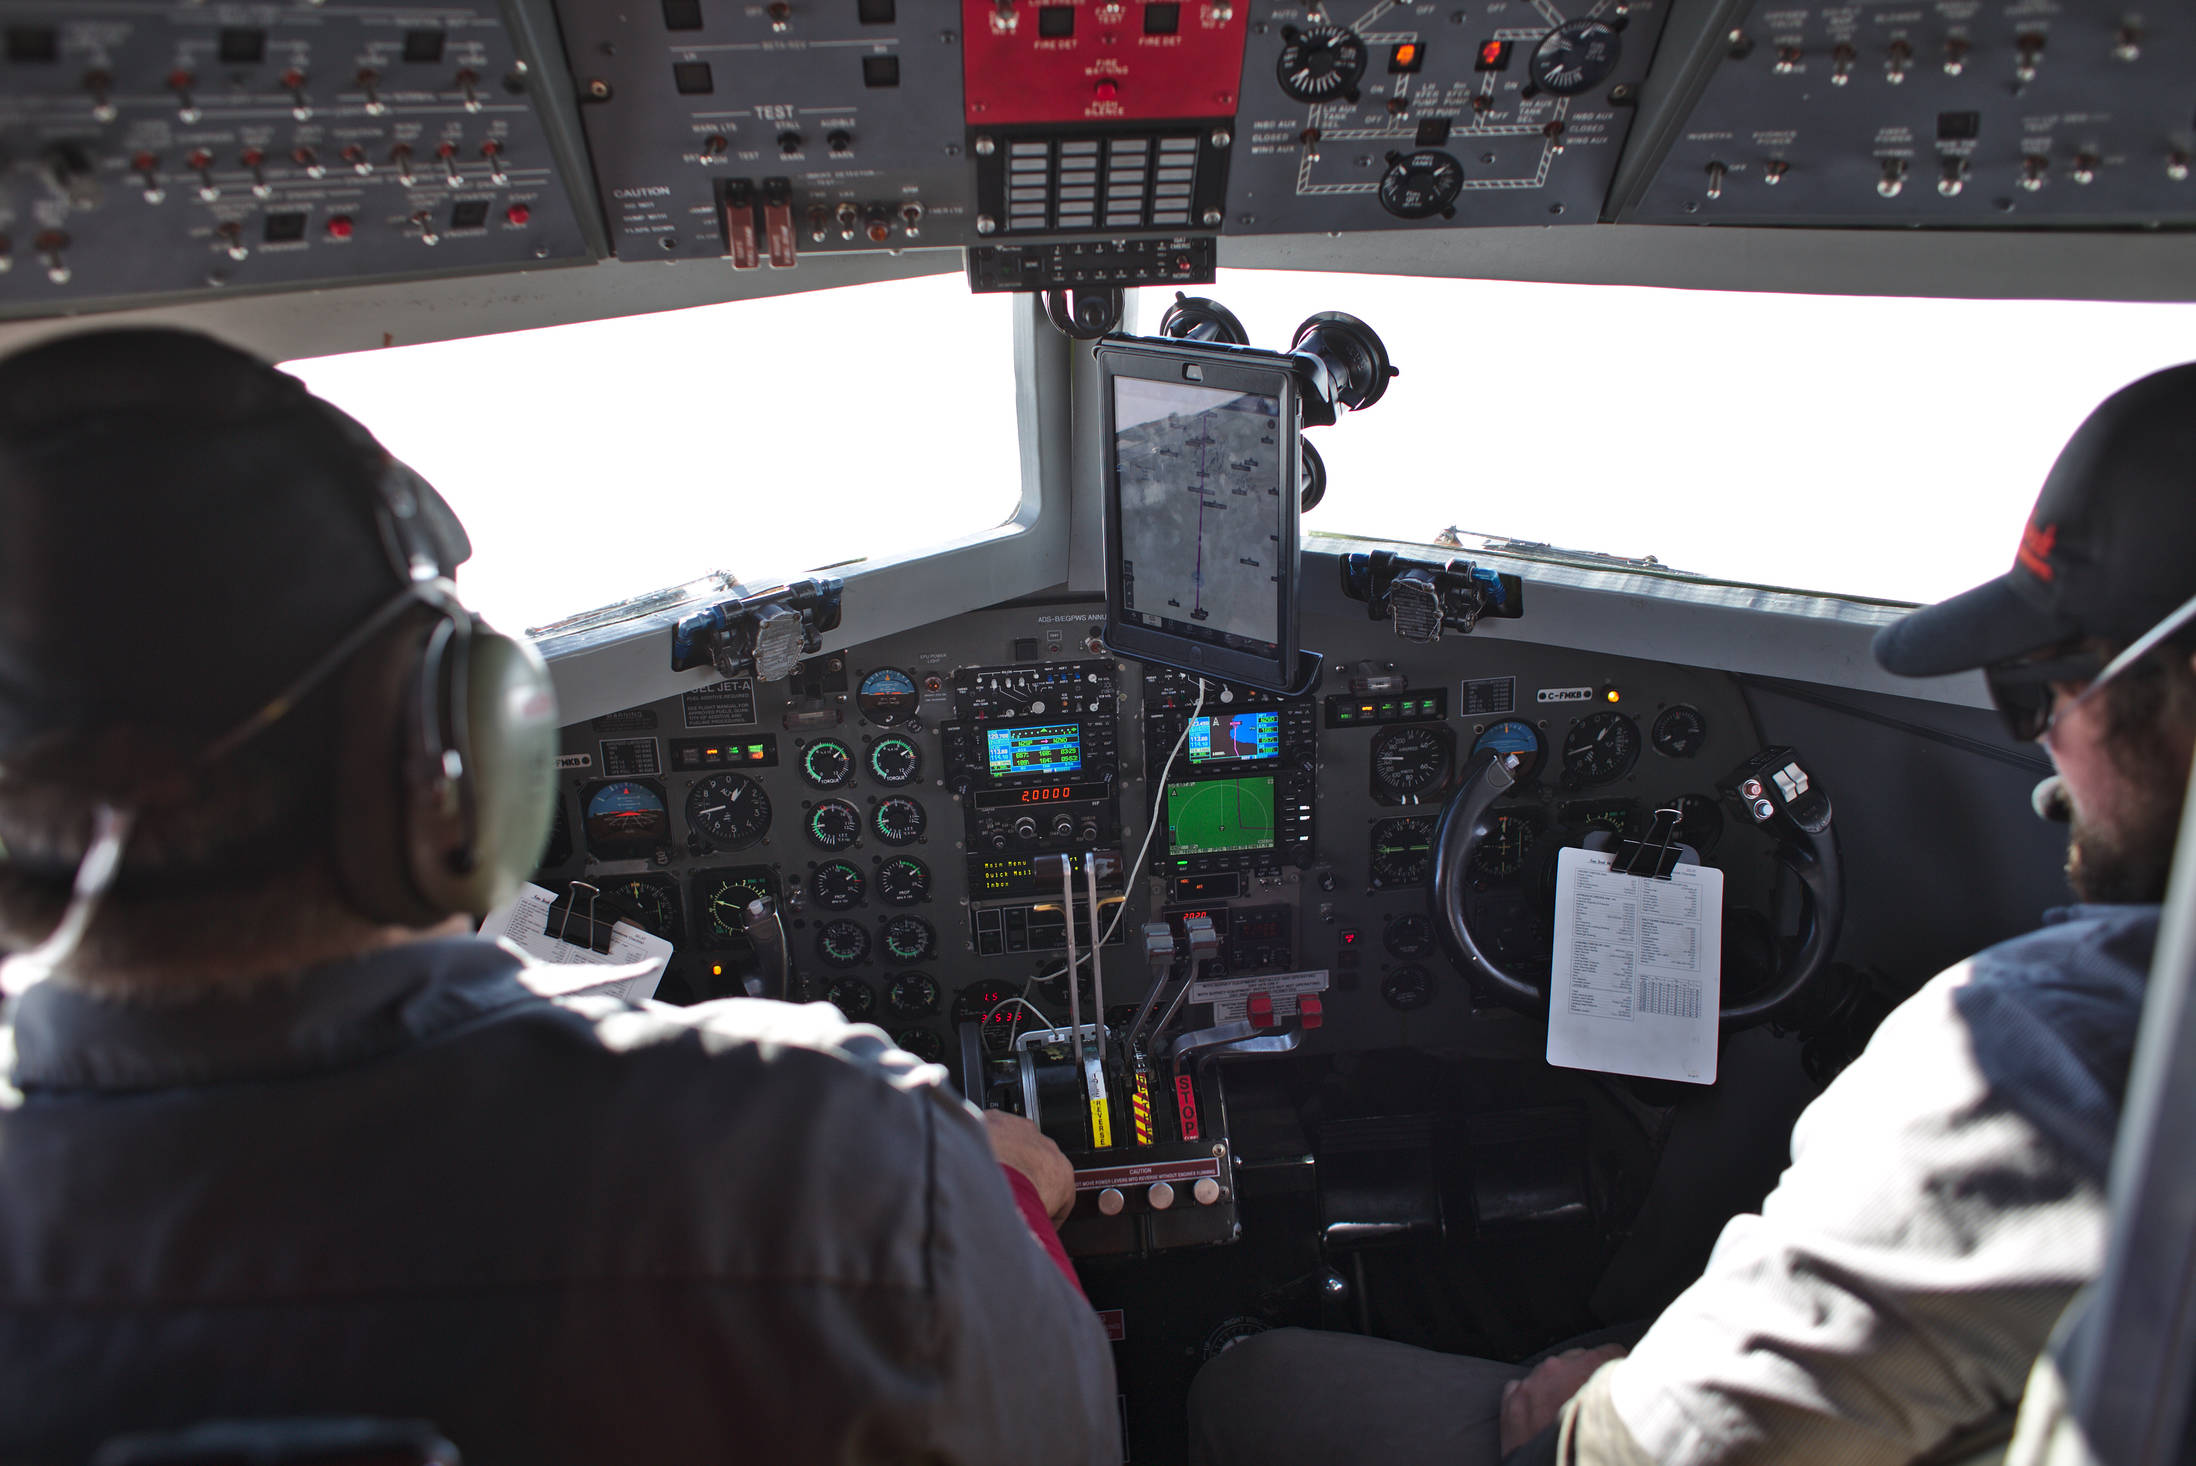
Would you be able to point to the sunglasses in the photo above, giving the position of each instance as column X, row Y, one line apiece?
column 2023, row 691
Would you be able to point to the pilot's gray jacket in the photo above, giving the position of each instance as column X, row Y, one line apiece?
column 563, row 1231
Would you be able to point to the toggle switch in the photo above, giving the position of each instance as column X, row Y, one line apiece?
column 401, row 155
column 201, row 162
column 2028, row 52
column 1897, row 57
column 447, row 152
column 256, row 162
column 355, row 155
column 309, row 160
column 1716, row 173
column 147, row 168
column 369, row 82
column 492, row 150
column 181, row 82
column 232, row 239
column 293, row 82
column 1955, row 55
column 2085, row 168
column 49, row 245
column 1773, row 171
column 1893, row 181
column 2034, row 167
column 101, row 86
column 1952, row 177
column 1842, row 57
column 468, row 85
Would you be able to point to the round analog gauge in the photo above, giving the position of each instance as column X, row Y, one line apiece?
column 837, row 885
column 731, row 810
column 853, row 997
column 895, row 760
column 827, row 763
column 1410, row 759
column 1500, row 857
column 1574, row 56
column 1410, row 937
column 887, row 696
column 1401, row 851
column 922, row 1043
column 843, row 943
column 911, row 995
column 1420, row 185
column 1679, row 731
column 1600, row 747
column 625, row 820
column 1319, row 64
column 834, row 824
column 909, row 939
column 1407, row 988
column 903, row 882
column 899, row 821
column 721, row 899
column 1513, row 736
column 652, row 903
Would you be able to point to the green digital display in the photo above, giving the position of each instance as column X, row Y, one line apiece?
column 1220, row 814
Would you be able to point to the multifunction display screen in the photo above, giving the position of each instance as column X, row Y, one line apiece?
column 1200, row 472
column 1235, row 738
column 1011, row 752
column 1219, row 815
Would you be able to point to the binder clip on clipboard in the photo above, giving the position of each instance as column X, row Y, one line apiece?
column 1656, row 855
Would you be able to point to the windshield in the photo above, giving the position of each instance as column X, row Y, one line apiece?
column 596, row 462
column 1876, row 447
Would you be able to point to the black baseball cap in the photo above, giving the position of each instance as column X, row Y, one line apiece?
column 2109, row 550
column 184, row 529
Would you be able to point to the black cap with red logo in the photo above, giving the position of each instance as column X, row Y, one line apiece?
column 2109, row 550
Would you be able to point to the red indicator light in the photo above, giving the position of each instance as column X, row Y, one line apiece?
column 1107, row 90
column 1493, row 56
column 339, row 227
column 1405, row 57
column 1349, row 938
column 518, row 214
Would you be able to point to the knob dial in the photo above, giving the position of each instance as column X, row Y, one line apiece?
column 1421, row 184
column 1320, row 64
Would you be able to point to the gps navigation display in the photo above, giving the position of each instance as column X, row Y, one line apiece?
column 1200, row 479
column 1220, row 815
column 1054, row 750
column 1232, row 737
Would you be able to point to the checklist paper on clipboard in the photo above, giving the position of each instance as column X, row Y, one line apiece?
column 1637, row 977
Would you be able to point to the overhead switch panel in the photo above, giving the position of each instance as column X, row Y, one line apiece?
column 2018, row 114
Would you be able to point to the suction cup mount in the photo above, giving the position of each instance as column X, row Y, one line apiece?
column 1355, row 359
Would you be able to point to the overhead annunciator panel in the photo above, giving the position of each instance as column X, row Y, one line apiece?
column 761, row 131
column 1375, row 115
column 1955, row 113
column 154, row 152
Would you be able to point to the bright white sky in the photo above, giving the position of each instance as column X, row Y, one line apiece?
column 1876, row 447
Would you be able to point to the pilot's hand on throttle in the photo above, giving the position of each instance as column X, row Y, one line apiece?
column 1530, row 1405
column 1017, row 1143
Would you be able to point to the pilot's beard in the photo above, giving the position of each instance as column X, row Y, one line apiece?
column 2129, row 863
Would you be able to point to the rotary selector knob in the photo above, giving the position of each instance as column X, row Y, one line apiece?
column 1321, row 64
column 1575, row 55
column 1421, row 184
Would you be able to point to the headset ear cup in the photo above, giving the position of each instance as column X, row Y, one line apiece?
column 374, row 784
column 502, row 723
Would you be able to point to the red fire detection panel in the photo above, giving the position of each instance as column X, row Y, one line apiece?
column 1040, row 61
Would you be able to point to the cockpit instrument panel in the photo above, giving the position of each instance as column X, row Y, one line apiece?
column 162, row 150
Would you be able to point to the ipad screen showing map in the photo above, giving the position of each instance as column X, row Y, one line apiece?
column 1199, row 470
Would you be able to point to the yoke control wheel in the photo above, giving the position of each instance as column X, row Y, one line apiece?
column 1776, row 795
